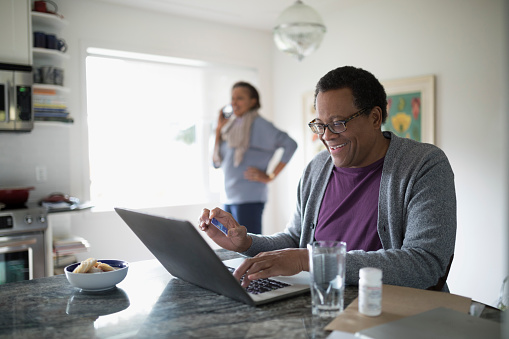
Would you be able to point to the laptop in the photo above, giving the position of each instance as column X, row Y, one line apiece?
column 181, row 249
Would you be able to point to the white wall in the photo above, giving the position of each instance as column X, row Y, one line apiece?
column 457, row 40
column 505, row 124
column 99, row 24
column 460, row 42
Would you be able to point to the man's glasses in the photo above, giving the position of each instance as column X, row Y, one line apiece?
column 335, row 126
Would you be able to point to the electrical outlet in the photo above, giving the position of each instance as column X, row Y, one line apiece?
column 41, row 173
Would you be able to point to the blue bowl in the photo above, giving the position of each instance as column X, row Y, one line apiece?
column 98, row 281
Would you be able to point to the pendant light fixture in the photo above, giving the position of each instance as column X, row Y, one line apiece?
column 299, row 30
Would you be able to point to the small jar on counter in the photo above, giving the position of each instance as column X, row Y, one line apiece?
column 370, row 291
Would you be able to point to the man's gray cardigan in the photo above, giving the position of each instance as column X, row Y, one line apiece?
column 416, row 216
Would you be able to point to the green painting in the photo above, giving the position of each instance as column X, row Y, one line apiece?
column 404, row 115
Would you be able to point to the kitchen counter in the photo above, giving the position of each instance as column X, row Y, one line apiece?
column 65, row 207
column 150, row 303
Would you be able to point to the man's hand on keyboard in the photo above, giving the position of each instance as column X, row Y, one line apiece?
column 284, row 262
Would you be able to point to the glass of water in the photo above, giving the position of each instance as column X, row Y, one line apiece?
column 327, row 270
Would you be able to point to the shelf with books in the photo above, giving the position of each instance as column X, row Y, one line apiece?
column 50, row 53
column 49, row 104
column 70, row 245
column 56, row 88
column 65, row 250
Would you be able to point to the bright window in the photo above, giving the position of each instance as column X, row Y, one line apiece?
column 150, row 124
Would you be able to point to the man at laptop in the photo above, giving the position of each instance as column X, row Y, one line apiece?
column 392, row 200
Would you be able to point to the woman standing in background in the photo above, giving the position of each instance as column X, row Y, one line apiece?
column 245, row 144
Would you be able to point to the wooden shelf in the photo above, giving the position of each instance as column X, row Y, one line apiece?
column 48, row 20
column 52, row 54
column 52, row 87
column 53, row 123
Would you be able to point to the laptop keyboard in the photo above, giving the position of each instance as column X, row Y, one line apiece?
column 261, row 285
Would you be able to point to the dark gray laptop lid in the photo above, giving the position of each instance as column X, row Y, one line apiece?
column 184, row 253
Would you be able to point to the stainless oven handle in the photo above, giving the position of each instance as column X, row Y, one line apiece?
column 6, row 101
column 16, row 245
column 8, row 95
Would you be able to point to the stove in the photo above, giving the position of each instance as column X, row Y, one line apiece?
column 23, row 219
column 25, row 244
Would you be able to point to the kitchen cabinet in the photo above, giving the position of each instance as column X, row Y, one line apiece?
column 15, row 38
column 50, row 92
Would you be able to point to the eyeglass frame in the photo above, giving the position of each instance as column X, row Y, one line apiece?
column 353, row 116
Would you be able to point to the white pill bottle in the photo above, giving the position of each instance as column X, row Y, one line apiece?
column 370, row 291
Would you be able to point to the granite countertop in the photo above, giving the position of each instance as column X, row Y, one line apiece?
column 150, row 303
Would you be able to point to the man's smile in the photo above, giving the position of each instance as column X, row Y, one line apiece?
column 332, row 148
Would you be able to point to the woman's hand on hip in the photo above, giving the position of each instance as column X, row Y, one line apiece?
column 255, row 174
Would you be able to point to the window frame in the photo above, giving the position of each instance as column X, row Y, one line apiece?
column 204, row 128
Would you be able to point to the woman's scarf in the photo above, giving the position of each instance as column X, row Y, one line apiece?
column 237, row 132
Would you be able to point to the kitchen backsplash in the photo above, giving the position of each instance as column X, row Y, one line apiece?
column 45, row 148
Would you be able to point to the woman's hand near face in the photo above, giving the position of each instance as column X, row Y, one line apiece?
column 237, row 239
column 284, row 262
column 221, row 121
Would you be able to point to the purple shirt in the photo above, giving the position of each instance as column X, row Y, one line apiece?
column 349, row 210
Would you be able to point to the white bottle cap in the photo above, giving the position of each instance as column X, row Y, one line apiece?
column 370, row 273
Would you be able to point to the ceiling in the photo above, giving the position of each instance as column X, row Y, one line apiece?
column 257, row 14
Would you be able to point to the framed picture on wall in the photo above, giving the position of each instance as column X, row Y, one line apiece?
column 411, row 108
column 312, row 145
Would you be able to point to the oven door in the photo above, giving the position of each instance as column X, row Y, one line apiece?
column 16, row 112
column 22, row 257
column 7, row 113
